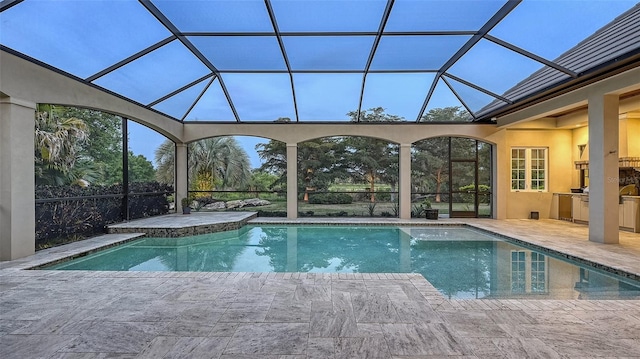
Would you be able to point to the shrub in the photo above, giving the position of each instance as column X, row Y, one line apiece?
column 383, row 196
column 263, row 213
column 483, row 193
column 330, row 198
column 69, row 213
column 365, row 196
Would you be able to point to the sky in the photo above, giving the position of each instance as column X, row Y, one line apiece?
column 546, row 28
column 144, row 141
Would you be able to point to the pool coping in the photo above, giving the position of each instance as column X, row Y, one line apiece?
column 75, row 250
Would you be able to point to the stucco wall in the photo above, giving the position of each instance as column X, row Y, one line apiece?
column 580, row 136
column 633, row 137
column 559, row 176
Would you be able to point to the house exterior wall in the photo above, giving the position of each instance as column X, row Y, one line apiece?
column 559, row 170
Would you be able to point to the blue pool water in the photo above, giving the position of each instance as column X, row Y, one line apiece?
column 460, row 262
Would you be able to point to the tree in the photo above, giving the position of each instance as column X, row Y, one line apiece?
column 213, row 163
column 220, row 160
column 165, row 157
column 140, row 169
column 319, row 162
column 274, row 157
column 446, row 114
column 371, row 159
column 57, row 144
column 430, row 157
column 261, row 181
column 430, row 165
column 104, row 144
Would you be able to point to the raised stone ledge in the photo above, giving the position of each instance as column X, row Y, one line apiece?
column 175, row 225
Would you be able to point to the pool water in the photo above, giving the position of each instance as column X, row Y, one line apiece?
column 459, row 261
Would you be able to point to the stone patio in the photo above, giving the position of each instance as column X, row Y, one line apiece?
column 81, row 314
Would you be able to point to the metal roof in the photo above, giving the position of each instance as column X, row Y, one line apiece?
column 611, row 45
column 315, row 60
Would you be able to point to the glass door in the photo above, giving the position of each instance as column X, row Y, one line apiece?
column 464, row 189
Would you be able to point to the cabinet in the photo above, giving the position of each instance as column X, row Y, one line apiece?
column 580, row 208
column 561, row 207
column 628, row 211
column 564, row 207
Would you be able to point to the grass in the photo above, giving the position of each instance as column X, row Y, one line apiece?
column 362, row 187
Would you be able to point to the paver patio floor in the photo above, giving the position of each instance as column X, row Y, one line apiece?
column 82, row 314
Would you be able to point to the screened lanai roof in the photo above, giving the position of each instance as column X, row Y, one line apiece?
column 316, row 60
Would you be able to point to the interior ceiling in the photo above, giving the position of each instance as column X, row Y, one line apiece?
column 254, row 60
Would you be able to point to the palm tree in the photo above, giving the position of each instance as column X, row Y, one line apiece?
column 165, row 157
column 217, row 162
column 56, row 145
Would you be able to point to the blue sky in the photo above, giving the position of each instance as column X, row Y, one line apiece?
column 144, row 141
column 100, row 34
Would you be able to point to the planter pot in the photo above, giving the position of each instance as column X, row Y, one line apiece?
column 431, row 213
column 186, row 210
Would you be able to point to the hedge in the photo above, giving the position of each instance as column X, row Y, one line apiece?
column 330, row 198
column 68, row 213
column 484, row 194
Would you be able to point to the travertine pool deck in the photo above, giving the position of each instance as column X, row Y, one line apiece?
column 82, row 314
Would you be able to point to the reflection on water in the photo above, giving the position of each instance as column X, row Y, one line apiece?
column 459, row 262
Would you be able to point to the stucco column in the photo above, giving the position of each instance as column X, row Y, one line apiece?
column 182, row 182
column 404, row 243
column 404, row 186
column 17, row 179
column 292, row 180
column 292, row 249
column 603, row 168
column 501, row 175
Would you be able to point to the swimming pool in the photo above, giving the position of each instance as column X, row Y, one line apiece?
column 459, row 261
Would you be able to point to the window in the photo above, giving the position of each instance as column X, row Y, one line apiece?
column 518, row 272
column 538, row 273
column 529, row 169
column 529, row 272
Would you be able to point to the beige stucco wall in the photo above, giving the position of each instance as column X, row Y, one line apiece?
column 633, row 138
column 629, row 143
column 580, row 136
column 560, row 168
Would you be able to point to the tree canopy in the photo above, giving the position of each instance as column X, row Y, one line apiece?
column 83, row 146
column 213, row 163
column 57, row 147
column 446, row 114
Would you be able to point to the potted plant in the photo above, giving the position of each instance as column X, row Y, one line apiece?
column 186, row 205
column 430, row 213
